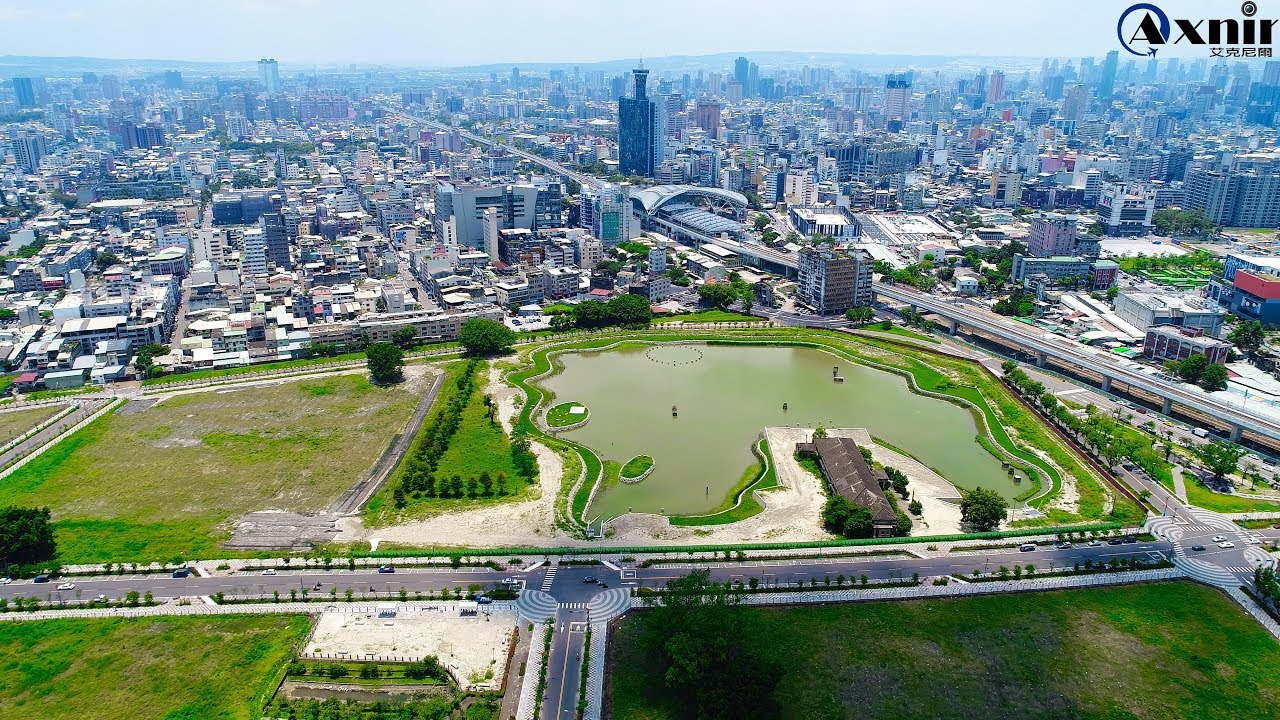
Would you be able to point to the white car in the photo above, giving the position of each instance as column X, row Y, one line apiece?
column 1251, row 540
column 1226, row 545
column 1219, row 538
column 67, row 586
column 269, row 571
column 5, row 580
column 510, row 581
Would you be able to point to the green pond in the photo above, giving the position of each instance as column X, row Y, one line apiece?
column 726, row 396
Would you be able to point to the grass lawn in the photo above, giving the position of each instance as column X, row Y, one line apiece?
column 167, row 481
column 13, row 424
column 173, row 668
column 636, row 466
column 1166, row 650
column 559, row 416
column 1203, row 497
column 899, row 330
column 478, row 446
column 709, row 316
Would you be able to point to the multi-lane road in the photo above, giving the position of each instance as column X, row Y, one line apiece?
column 566, row 584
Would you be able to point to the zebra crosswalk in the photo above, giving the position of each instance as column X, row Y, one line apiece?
column 1240, row 569
column 550, row 578
column 1196, row 527
column 573, row 606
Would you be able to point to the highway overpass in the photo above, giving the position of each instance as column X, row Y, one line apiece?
column 546, row 163
column 1046, row 347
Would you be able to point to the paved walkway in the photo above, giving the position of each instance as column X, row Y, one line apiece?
column 1179, row 486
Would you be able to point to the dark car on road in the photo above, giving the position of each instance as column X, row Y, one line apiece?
column 41, row 579
column 1197, row 548
column 1115, row 541
column 1027, row 548
column 182, row 573
column 588, row 579
column 386, row 569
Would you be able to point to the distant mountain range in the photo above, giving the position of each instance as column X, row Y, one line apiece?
column 19, row 65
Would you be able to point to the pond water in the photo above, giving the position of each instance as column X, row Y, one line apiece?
column 725, row 397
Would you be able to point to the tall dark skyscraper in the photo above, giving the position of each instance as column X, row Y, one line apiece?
column 742, row 72
column 638, row 138
column 1107, row 83
column 25, row 89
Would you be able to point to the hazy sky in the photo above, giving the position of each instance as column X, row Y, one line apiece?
column 462, row 32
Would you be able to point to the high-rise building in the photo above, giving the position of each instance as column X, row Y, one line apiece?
column 831, row 281
column 658, row 258
column 464, row 206
column 1074, row 102
column 707, row 114
column 255, row 253
column 873, row 158
column 269, row 75
column 1241, row 197
column 28, row 149
column 1052, row 235
column 1125, row 209
column 276, row 239
column 897, row 96
column 741, row 72
column 1107, row 82
column 607, row 212
column 995, row 87
column 25, row 90
column 110, row 85
column 639, row 141
column 1271, row 72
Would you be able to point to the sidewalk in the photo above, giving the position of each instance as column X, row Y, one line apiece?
column 1179, row 486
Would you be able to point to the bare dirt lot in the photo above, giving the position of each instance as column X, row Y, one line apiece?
column 473, row 648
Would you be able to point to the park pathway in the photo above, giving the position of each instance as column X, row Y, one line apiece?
column 1179, row 486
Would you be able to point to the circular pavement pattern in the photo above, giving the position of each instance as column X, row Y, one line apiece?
column 536, row 606
column 609, row 604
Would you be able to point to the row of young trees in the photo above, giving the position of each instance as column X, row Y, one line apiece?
column 1098, row 433
column 1105, row 437
column 418, row 478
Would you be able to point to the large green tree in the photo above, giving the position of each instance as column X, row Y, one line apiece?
column 482, row 336
column 26, row 536
column 701, row 637
column 859, row 315
column 630, row 310
column 386, row 363
column 983, row 509
column 1247, row 335
column 717, row 295
column 1214, row 377
column 405, row 338
column 1193, row 367
column 1220, row 458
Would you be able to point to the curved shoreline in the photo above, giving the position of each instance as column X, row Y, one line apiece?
column 552, row 352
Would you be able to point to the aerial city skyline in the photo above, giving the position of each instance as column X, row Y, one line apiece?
column 676, row 361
